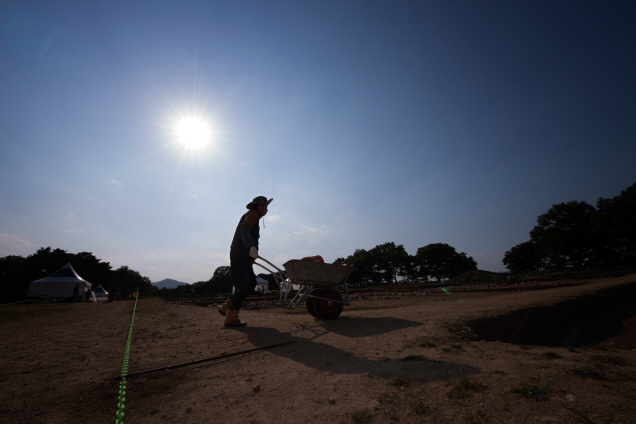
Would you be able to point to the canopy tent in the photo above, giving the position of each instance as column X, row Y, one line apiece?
column 59, row 284
column 262, row 286
column 100, row 293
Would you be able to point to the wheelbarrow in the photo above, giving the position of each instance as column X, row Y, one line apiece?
column 316, row 283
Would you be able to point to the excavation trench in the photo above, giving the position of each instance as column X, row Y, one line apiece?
column 584, row 321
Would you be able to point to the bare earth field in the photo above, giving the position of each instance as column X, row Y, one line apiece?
column 394, row 357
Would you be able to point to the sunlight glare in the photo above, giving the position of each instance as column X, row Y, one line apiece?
column 193, row 133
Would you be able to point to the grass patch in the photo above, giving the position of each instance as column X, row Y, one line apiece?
column 553, row 355
column 531, row 390
column 361, row 416
column 460, row 333
column 462, row 386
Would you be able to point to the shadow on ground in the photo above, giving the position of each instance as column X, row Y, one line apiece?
column 329, row 358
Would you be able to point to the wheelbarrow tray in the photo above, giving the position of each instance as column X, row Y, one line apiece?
column 316, row 273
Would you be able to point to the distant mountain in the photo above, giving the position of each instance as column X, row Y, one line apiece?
column 168, row 284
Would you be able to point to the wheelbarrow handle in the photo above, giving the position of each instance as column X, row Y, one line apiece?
column 265, row 260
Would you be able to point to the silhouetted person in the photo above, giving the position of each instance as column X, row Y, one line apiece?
column 243, row 252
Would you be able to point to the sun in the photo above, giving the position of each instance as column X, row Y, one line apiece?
column 193, row 133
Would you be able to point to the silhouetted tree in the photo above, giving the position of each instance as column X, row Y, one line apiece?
column 525, row 257
column 221, row 281
column 127, row 281
column 14, row 278
column 19, row 272
column 46, row 261
column 614, row 223
column 365, row 271
column 201, row 287
column 441, row 260
column 579, row 235
column 564, row 234
column 389, row 261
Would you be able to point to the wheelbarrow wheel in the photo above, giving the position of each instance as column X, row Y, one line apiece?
column 326, row 309
column 311, row 303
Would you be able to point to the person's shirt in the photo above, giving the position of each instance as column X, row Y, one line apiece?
column 247, row 232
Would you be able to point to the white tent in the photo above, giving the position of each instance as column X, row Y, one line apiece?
column 262, row 286
column 100, row 293
column 59, row 284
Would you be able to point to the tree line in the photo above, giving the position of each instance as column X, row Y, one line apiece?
column 384, row 264
column 387, row 263
column 16, row 272
column 577, row 234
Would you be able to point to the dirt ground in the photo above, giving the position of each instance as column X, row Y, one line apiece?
column 394, row 358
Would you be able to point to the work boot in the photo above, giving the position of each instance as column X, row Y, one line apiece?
column 224, row 307
column 232, row 320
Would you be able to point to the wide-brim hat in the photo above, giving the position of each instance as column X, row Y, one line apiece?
column 257, row 200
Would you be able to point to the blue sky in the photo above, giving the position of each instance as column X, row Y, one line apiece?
column 368, row 122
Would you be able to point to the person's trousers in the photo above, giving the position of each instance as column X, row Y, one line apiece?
column 243, row 278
